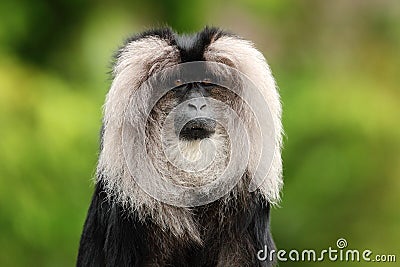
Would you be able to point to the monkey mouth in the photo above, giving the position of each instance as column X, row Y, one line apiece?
column 199, row 128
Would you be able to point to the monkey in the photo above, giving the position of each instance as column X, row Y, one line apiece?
column 187, row 171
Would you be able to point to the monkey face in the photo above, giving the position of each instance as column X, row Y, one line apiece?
column 195, row 117
column 188, row 112
column 197, row 109
column 187, row 133
column 200, row 107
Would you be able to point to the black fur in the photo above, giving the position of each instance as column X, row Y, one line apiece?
column 112, row 236
column 191, row 47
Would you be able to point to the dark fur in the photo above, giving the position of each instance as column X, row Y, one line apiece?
column 113, row 236
column 191, row 47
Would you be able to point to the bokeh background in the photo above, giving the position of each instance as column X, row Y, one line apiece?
column 337, row 64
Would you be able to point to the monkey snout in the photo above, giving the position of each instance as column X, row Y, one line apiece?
column 201, row 123
column 198, row 128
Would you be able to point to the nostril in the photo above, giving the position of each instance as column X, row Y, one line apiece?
column 190, row 105
column 197, row 104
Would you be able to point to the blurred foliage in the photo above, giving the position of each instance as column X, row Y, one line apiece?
column 337, row 65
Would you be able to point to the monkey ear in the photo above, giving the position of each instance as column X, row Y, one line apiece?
column 242, row 55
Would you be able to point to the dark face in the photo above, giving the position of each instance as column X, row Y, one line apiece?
column 197, row 109
column 195, row 117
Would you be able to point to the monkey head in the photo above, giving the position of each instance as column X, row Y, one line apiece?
column 189, row 119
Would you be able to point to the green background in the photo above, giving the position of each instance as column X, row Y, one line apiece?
column 337, row 64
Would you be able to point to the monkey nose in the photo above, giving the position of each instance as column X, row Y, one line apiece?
column 197, row 104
